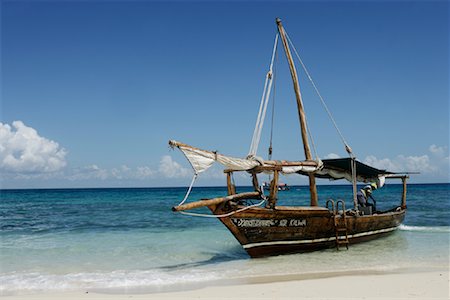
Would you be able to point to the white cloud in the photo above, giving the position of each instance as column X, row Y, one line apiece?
column 435, row 164
column 384, row 164
column 26, row 155
column 144, row 172
column 168, row 168
column 122, row 173
column 89, row 172
column 23, row 151
column 439, row 151
column 171, row 169
column 418, row 163
column 331, row 156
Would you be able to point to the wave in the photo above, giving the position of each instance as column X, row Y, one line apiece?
column 151, row 280
column 425, row 228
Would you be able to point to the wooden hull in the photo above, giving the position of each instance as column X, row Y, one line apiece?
column 283, row 230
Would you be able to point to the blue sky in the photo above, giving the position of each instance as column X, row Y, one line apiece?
column 93, row 91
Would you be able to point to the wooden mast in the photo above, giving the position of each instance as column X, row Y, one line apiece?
column 301, row 112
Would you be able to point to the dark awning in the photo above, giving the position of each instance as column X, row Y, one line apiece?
column 344, row 165
column 340, row 168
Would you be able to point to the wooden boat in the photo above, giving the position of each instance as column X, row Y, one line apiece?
column 281, row 186
column 265, row 228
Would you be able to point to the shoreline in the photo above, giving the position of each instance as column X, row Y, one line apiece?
column 407, row 283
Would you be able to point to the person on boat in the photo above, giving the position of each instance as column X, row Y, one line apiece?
column 364, row 194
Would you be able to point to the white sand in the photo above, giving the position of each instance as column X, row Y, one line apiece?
column 418, row 285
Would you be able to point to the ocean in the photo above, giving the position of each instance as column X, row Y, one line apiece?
column 129, row 240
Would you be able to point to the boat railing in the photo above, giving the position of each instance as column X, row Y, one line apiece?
column 342, row 211
column 332, row 210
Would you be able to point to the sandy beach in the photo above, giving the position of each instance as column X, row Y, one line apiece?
column 417, row 285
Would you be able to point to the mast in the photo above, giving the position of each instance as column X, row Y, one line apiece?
column 301, row 112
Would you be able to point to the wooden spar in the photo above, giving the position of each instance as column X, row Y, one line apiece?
column 301, row 112
column 273, row 190
column 355, row 198
column 404, row 192
column 285, row 163
column 230, row 186
column 215, row 201
column 255, row 182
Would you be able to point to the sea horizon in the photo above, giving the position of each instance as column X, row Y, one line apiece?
column 205, row 186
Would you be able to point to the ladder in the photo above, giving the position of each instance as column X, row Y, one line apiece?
column 340, row 225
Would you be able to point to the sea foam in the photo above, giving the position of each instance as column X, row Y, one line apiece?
column 425, row 228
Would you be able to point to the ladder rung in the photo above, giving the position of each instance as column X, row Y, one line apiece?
column 340, row 226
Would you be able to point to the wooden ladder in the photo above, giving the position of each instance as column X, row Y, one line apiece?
column 340, row 225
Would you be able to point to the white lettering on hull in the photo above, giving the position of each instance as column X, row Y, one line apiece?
column 269, row 222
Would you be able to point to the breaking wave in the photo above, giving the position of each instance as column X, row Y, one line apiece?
column 425, row 228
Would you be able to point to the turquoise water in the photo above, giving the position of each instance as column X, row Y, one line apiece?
column 128, row 239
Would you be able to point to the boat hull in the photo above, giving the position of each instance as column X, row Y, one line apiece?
column 283, row 230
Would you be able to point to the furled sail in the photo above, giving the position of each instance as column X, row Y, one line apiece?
column 201, row 160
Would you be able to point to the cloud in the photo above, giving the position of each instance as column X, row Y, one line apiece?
column 438, row 151
column 122, row 173
column 435, row 163
column 384, row 164
column 25, row 155
column 23, row 151
column 168, row 168
column 89, row 172
column 332, row 156
column 171, row 169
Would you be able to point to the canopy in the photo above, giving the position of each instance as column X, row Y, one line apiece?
column 341, row 168
column 345, row 165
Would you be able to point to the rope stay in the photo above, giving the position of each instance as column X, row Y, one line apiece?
column 263, row 105
column 189, row 189
column 273, row 107
column 347, row 147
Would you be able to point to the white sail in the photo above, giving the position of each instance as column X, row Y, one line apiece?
column 201, row 160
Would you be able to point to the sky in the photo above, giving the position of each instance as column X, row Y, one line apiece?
column 92, row 91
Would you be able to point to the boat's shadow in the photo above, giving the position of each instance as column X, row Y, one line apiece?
column 233, row 254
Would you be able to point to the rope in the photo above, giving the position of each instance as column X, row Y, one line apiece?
column 253, row 145
column 263, row 106
column 312, row 141
column 347, row 147
column 223, row 215
column 189, row 189
column 273, row 109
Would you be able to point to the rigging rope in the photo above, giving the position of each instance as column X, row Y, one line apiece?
column 347, row 147
column 263, row 106
column 273, row 107
column 312, row 141
column 189, row 189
